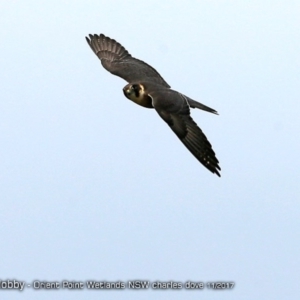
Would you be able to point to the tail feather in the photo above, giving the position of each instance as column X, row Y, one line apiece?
column 195, row 104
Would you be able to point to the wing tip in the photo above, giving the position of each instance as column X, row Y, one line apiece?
column 213, row 166
column 88, row 40
column 216, row 171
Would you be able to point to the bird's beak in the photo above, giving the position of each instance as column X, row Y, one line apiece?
column 126, row 92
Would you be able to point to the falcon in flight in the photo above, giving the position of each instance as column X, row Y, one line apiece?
column 147, row 88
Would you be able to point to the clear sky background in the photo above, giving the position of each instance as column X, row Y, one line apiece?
column 94, row 187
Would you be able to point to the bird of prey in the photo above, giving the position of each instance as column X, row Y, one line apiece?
column 148, row 89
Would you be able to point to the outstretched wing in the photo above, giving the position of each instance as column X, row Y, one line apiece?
column 116, row 59
column 176, row 113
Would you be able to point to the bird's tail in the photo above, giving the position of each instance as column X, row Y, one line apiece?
column 195, row 104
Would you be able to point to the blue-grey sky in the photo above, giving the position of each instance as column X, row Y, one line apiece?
column 94, row 187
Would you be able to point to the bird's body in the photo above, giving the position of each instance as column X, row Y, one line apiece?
column 148, row 89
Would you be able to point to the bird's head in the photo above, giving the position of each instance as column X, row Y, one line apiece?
column 134, row 91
